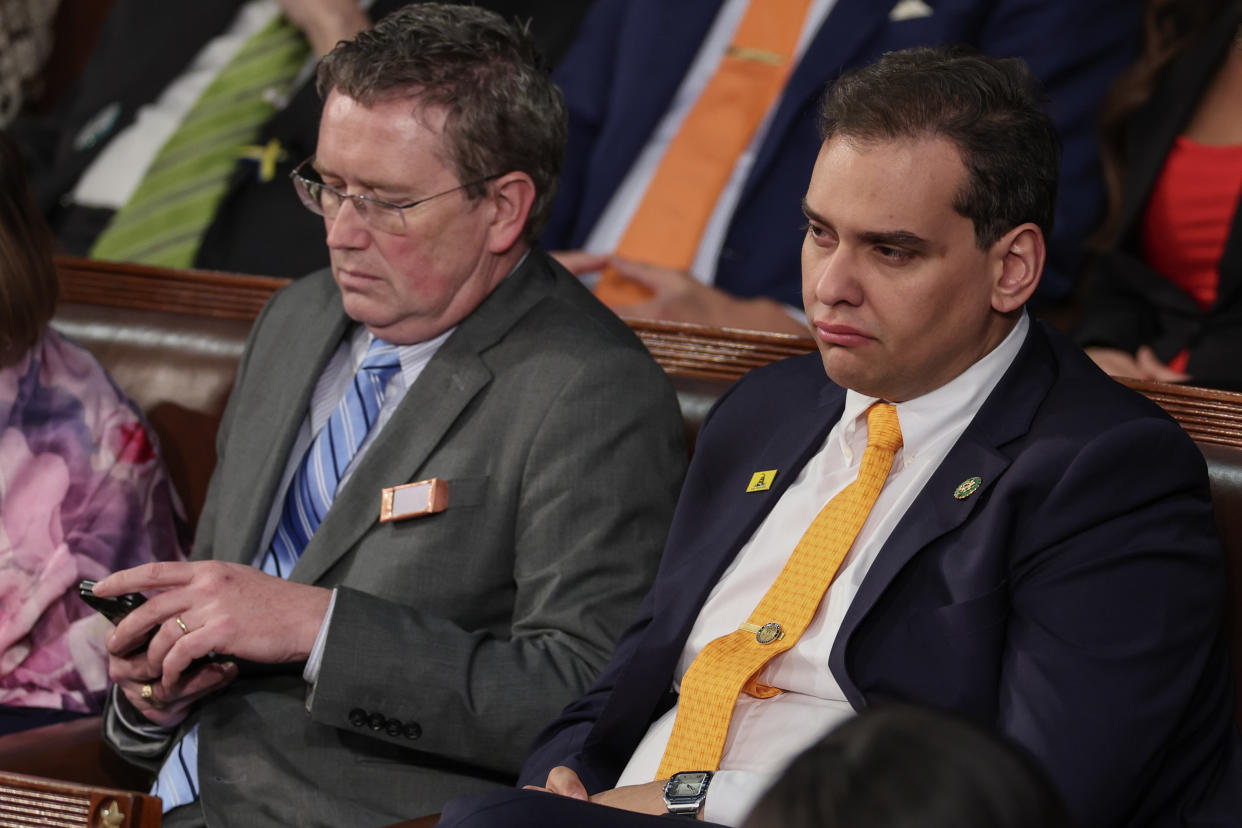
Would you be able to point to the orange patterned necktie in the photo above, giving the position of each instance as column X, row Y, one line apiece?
column 670, row 220
column 728, row 665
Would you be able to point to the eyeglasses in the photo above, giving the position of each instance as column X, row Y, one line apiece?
column 381, row 215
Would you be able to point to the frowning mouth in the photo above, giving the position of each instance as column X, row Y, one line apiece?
column 354, row 278
column 843, row 335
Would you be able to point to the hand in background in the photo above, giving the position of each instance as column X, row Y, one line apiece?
column 679, row 297
column 325, row 22
column 580, row 262
column 1143, row 365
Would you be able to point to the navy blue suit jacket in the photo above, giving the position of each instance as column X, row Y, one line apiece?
column 1075, row 601
column 631, row 55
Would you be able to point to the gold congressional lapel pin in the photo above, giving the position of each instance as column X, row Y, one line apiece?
column 967, row 487
column 426, row 497
column 761, row 481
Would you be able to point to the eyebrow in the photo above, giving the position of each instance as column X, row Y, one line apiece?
column 896, row 238
column 886, row 238
column 371, row 186
column 811, row 214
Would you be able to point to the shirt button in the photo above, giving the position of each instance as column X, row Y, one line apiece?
column 376, row 721
column 357, row 717
column 393, row 728
column 412, row 731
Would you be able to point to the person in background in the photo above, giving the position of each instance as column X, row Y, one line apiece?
column 153, row 88
column 25, row 43
column 82, row 490
column 686, row 234
column 1164, row 294
column 899, row 766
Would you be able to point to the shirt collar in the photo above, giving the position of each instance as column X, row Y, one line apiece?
column 942, row 410
column 413, row 357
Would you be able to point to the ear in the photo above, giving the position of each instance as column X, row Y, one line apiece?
column 1018, row 262
column 512, row 196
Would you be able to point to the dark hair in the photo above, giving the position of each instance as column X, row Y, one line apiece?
column 28, row 283
column 906, row 767
column 503, row 111
column 990, row 108
column 1170, row 29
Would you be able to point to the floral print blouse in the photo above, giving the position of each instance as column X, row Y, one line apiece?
column 82, row 494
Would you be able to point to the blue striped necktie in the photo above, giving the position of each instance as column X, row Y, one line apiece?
column 310, row 494
column 315, row 483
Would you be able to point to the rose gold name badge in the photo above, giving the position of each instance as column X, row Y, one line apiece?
column 426, row 497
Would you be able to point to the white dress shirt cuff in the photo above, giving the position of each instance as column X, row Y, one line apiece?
column 732, row 794
column 310, row 673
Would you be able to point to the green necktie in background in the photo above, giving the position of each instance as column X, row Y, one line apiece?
column 164, row 220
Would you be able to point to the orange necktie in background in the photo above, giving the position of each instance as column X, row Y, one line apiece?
column 670, row 220
column 729, row 664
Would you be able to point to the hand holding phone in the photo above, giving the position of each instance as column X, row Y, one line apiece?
column 114, row 609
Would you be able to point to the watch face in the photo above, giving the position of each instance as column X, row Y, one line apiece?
column 687, row 784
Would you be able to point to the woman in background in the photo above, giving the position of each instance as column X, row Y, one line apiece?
column 906, row 767
column 1164, row 296
column 82, row 490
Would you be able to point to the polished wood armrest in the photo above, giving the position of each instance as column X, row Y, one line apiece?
column 70, row 751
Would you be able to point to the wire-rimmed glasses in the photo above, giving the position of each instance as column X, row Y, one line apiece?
column 385, row 216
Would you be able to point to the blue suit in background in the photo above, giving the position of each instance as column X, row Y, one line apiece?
column 630, row 57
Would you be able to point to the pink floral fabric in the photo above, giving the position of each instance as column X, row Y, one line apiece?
column 82, row 494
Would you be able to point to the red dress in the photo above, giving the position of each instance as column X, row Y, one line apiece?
column 1188, row 218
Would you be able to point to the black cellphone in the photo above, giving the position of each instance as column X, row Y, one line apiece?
column 114, row 609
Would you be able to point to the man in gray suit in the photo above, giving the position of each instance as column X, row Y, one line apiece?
column 376, row 654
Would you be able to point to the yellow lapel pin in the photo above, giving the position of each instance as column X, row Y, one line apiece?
column 761, row 481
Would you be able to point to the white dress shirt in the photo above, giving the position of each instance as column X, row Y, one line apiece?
column 765, row 734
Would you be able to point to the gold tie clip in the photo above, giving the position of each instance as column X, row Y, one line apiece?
column 766, row 634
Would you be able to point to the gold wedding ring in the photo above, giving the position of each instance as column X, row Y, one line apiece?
column 182, row 625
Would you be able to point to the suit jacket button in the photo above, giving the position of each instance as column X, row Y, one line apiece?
column 357, row 717
column 376, row 721
column 393, row 727
column 413, row 731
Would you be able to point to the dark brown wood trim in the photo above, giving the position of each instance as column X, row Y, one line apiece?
column 683, row 350
column 194, row 292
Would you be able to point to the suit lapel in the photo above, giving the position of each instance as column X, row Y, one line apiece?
column 1006, row 415
column 740, row 512
column 313, row 336
column 430, row 408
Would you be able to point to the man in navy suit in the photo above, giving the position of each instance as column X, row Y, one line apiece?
column 632, row 69
column 1042, row 557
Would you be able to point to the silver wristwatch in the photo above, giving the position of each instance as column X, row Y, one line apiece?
column 685, row 791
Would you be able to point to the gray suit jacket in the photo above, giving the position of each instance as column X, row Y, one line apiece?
column 457, row 636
